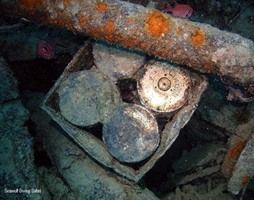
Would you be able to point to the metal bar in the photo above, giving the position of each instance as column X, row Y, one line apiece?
column 199, row 46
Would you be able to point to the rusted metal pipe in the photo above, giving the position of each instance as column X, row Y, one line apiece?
column 200, row 46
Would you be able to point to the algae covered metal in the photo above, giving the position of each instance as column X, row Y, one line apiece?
column 132, row 134
column 197, row 45
column 86, row 98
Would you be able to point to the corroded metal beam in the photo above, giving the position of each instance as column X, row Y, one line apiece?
column 200, row 46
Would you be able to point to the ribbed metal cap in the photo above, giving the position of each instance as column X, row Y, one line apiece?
column 163, row 88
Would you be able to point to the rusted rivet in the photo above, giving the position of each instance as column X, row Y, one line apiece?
column 164, row 84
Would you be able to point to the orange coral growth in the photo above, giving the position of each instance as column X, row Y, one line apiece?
column 31, row 4
column 231, row 157
column 101, row 6
column 157, row 24
column 245, row 180
column 198, row 39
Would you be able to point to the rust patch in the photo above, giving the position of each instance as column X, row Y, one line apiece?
column 143, row 45
column 245, row 180
column 105, row 31
column 62, row 20
column 231, row 158
column 66, row 2
column 157, row 24
column 130, row 20
column 82, row 20
column 101, row 6
column 109, row 27
column 130, row 42
column 208, row 67
column 198, row 39
column 236, row 150
column 186, row 24
column 178, row 31
column 31, row 4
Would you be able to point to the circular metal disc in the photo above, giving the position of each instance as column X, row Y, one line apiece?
column 163, row 88
column 132, row 133
column 86, row 98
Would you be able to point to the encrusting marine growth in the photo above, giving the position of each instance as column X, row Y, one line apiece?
column 200, row 46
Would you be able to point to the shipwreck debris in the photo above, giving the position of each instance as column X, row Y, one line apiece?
column 132, row 134
column 87, row 98
column 116, row 62
column 238, row 162
column 163, row 88
column 200, row 46
column 95, row 146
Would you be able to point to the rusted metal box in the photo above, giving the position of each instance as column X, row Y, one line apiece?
column 95, row 147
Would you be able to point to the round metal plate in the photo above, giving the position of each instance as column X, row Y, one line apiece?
column 87, row 98
column 163, row 88
column 132, row 133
